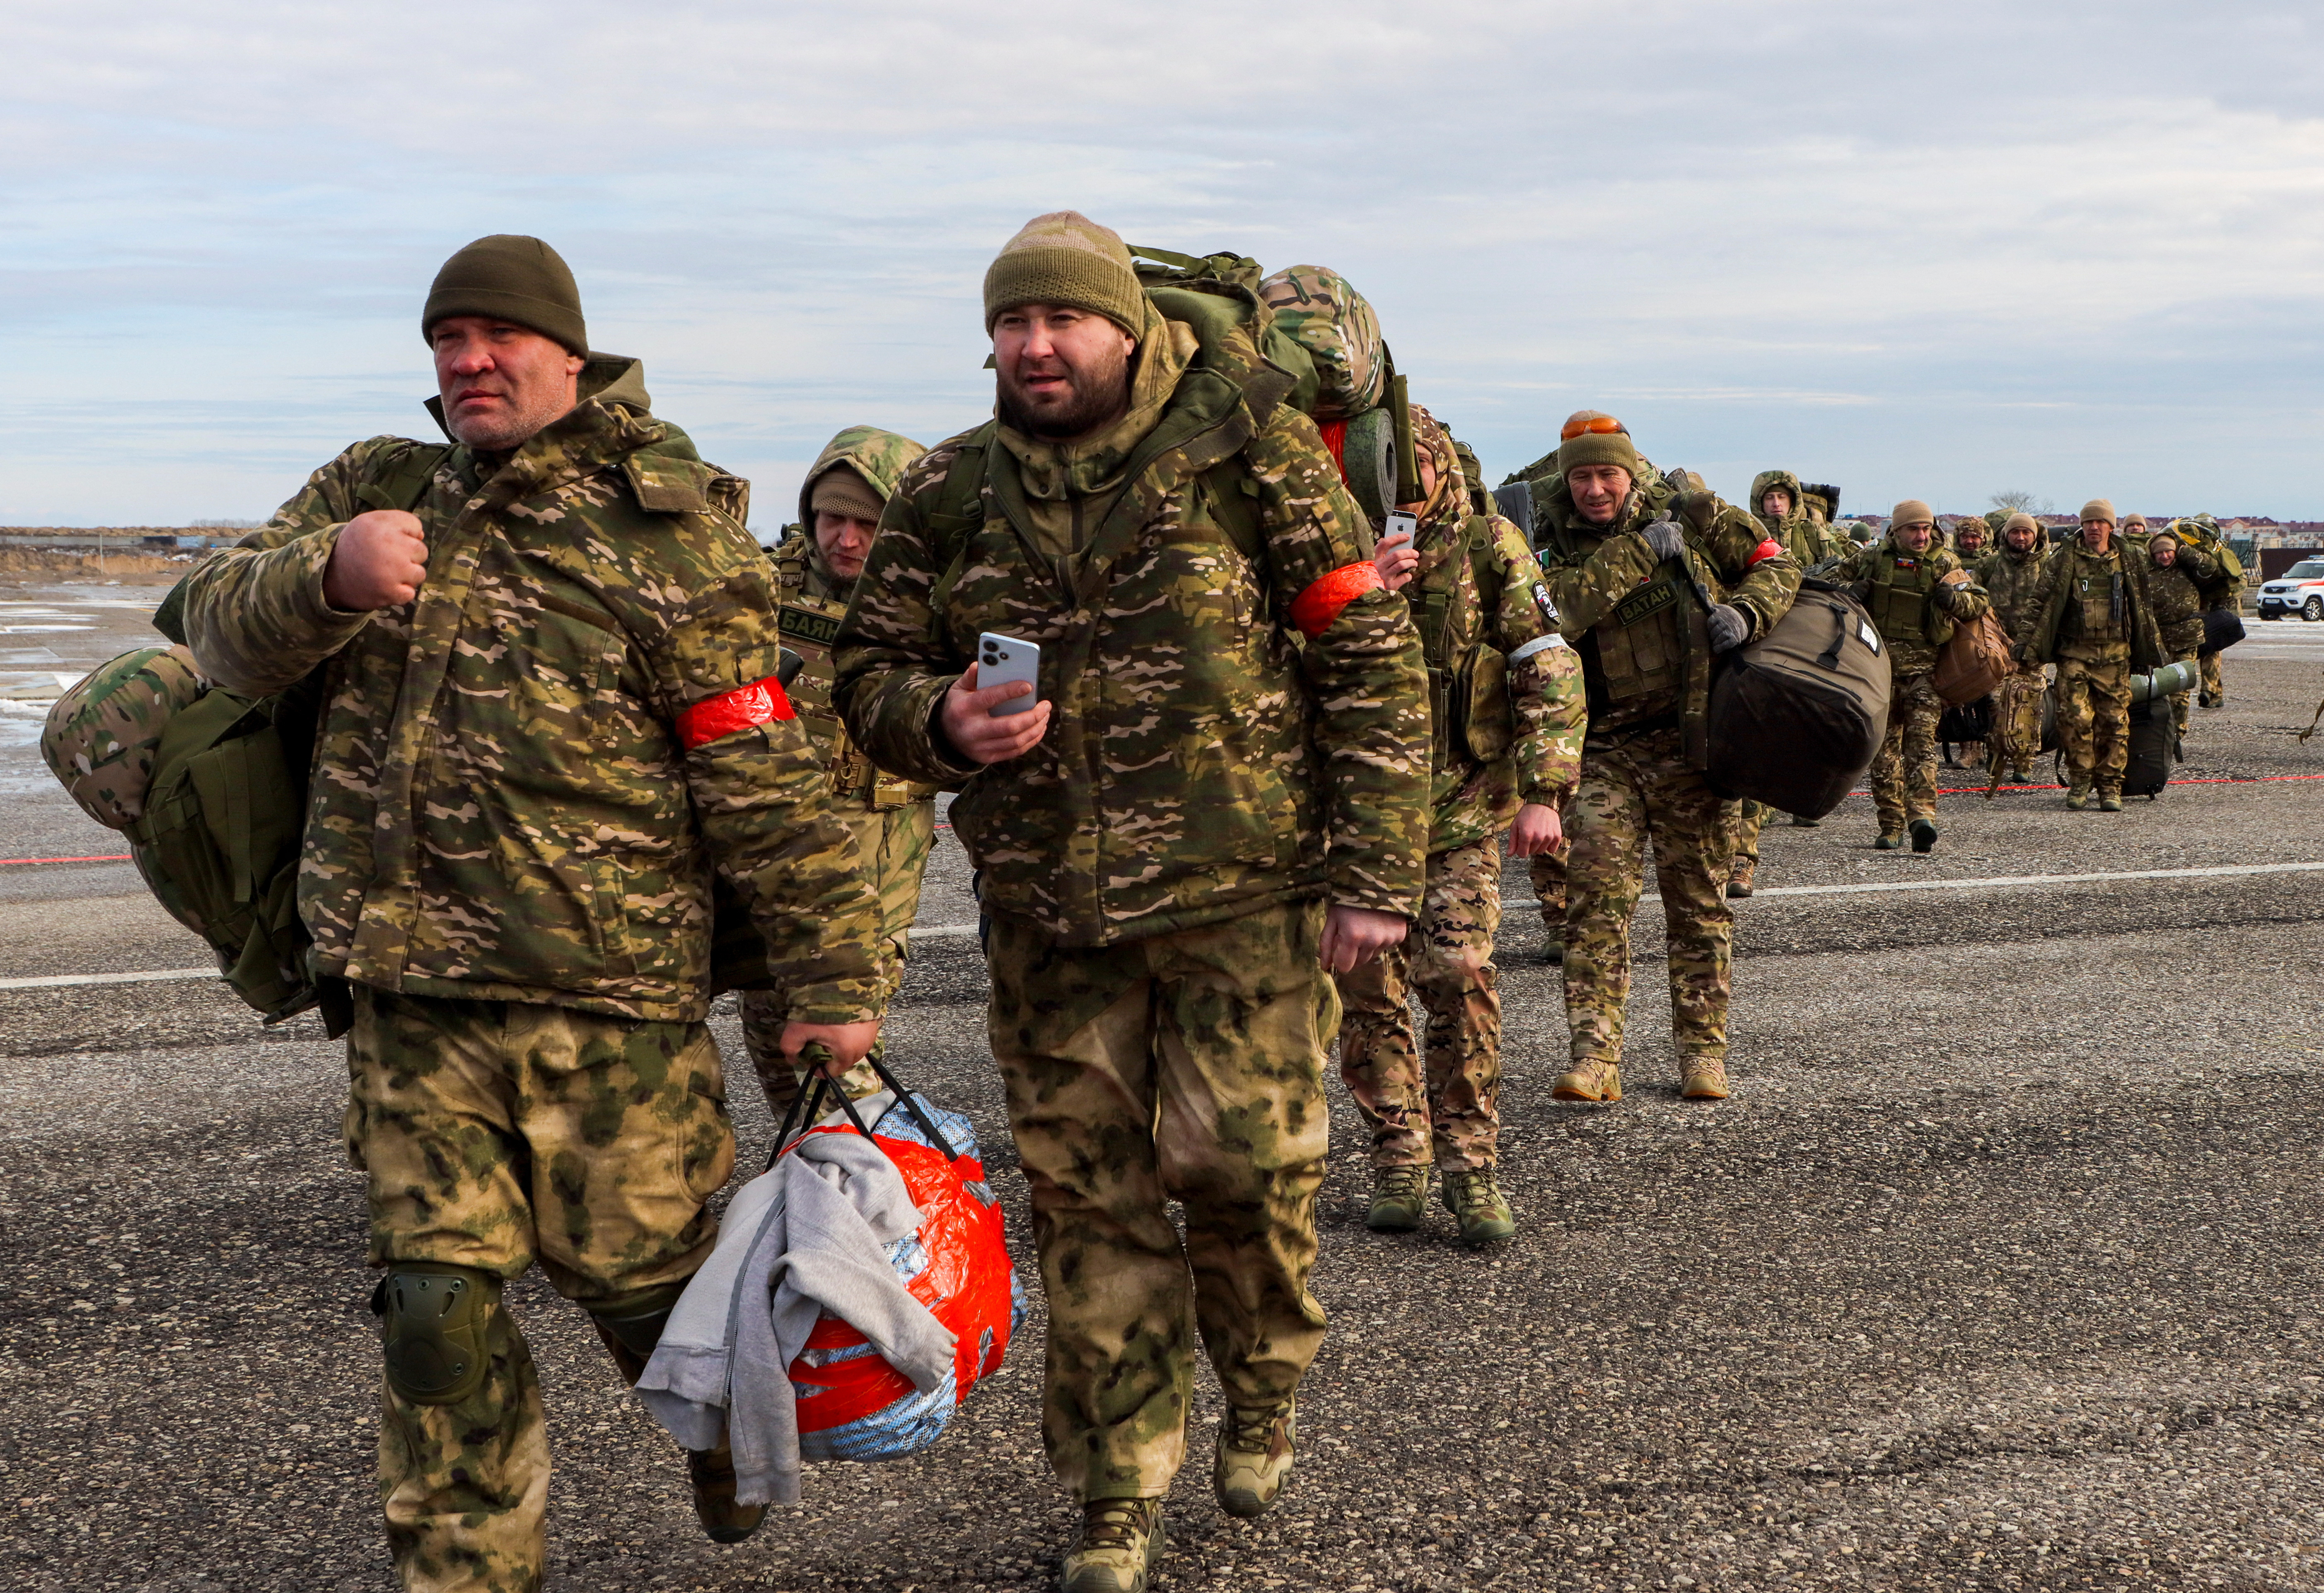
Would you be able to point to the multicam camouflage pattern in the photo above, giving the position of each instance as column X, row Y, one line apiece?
column 1916, row 611
column 2215, row 684
column 1321, row 311
column 503, row 809
column 1640, row 790
column 2094, row 719
column 1477, row 586
column 1546, row 871
column 894, row 844
column 1182, row 1067
column 2017, row 717
column 1450, row 1113
column 1748, row 819
column 1199, row 763
column 101, row 736
column 2074, row 615
column 491, row 1135
column 2013, row 580
column 2177, row 602
column 1799, row 532
column 1904, row 769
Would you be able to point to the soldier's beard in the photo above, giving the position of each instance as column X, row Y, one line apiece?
column 1093, row 398
column 508, row 425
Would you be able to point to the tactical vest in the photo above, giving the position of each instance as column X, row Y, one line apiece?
column 1470, row 716
column 2095, row 607
column 810, row 625
column 1902, row 606
column 1642, row 647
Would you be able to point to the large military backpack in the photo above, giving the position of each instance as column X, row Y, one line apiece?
column 1797, row 716
column 2225, row 587
column 1313, row 325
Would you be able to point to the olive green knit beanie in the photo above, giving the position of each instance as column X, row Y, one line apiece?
column 1592, row 436
column 1065, row 258
column 511, row 278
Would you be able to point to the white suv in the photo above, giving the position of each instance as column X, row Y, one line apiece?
column 2300, row 590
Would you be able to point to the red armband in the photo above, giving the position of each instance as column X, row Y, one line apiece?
column 759, row 702
column 1314, row 609
column 1768, row 550
column 1335, row 438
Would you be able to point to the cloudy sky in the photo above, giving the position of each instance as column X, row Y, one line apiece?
column 1926, row 250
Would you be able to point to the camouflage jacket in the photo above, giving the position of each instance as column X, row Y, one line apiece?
column 1613, row 596
column 2011, row 580
column 2072, row 577
column 1482, row 605
column 1797, row 533
column 2176, row 592
column 814, row 602
column 1198, row 764
column 511, row 801
column 1909, row 599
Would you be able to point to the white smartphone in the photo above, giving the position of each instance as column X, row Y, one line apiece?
column 1401, row 528
column 1000, row 659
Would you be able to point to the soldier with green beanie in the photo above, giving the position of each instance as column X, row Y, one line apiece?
column 546, row 657
column 894, row 821
column 2011, row 576
column 1218, row 800
column 2095, row 620
column 1652, row 577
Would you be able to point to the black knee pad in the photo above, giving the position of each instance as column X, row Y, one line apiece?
column 432, row 1317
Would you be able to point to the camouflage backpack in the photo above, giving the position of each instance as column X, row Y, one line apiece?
column 210, row 789
column 2226, row 586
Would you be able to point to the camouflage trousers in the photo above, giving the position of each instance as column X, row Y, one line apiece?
column 494, row 1134
column 894, row 844
column 1747, row 818
column 2017, row 717
column 1637, row 792
column 2214, row 684
column 1904, row 771
column 1448, row 958
column 2094, row 719
column 2182, row 703
column 1548, row 871
column 1185, row 1066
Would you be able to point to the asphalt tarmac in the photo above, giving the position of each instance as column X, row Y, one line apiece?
column 2001, row 1270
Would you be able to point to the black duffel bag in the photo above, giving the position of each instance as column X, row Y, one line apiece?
column 1797, row 716
column 2222, row 629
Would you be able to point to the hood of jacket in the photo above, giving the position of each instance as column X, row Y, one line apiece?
column 1790, row 484
column 879, row 457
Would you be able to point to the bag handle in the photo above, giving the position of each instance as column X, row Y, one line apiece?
column 812, row 1097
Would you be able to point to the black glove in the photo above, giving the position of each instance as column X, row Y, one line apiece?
column 1666, row 539
column 1730, row 627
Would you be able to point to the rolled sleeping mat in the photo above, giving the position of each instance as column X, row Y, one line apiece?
column 2163, row 682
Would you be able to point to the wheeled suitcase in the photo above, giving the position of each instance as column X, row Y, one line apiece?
column 2154, row 749
column 1797, row 716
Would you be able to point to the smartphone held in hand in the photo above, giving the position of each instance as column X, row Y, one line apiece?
column 1000, row 659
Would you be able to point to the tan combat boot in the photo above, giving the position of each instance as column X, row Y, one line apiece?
column 1738, row 879
column 2077, row 795
column 1702, row 1078
column 1594, row 1080
column 1120, row 1540
column 1399, row 1199
column 2110, row 801
column 1254, row 1457
column 712, row 1472
column 1476, row 1200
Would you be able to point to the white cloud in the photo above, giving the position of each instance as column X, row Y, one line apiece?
column 1924, row 251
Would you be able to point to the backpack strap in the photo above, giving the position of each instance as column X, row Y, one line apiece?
column 957, row 510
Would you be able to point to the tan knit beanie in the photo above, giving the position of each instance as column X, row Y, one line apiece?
column 842, row 490
column 1911, row 511
column 2020, row 519
column 1592, row 436
column 2098, row 508
column 2133, row 519
column 1065, row 258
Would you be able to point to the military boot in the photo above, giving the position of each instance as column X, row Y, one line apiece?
column 1925, row 835
column 1120, row 1540
column 1801, row 822
column 1738, row 879
column 1254, row 1457
column 2109, row 802
column 1399, row 1199
column 1890, row 841
column 1476, row 1201
column 2077, row 795
column 712, row 1472
column 1702, row 1078
column 1595, row 1079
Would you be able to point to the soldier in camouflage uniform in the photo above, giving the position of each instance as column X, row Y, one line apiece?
column 2095, row 620
column 2011, row 574
column 1787, row 510
column 548, row 716
column 2221, row 589
column 1916, row 592
column 1648, row 600
column 894, row 821
column 2174, row 580
column 1970, row 535
column 1220, row 798
column 1507, row 720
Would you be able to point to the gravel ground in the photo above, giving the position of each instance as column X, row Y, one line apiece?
column 2000, row 1271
